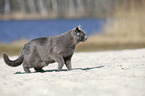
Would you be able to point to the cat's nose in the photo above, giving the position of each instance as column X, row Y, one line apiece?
column 85, row 38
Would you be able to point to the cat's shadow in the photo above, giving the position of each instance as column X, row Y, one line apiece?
column 55, row 70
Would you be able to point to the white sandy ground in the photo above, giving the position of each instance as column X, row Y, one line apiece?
column 110, row 73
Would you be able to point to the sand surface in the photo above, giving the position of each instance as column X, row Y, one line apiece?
column 108, row 73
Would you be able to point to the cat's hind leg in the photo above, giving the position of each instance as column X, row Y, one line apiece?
column 26, row 69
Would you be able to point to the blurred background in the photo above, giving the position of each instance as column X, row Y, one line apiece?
column 110, row 24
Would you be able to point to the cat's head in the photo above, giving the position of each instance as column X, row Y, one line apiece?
column 80, row 34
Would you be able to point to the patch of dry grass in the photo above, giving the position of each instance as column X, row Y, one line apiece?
column 105, row 42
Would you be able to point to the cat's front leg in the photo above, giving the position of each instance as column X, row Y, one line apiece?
column 59, row 60
column 68, row 63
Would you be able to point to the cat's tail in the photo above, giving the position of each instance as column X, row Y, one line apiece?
column 13, row 63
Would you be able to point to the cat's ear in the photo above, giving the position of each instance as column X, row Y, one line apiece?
column 78, row 28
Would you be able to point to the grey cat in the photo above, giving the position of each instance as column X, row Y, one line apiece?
column 42, row 51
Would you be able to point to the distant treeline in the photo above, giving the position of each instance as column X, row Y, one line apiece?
column 29, row 9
